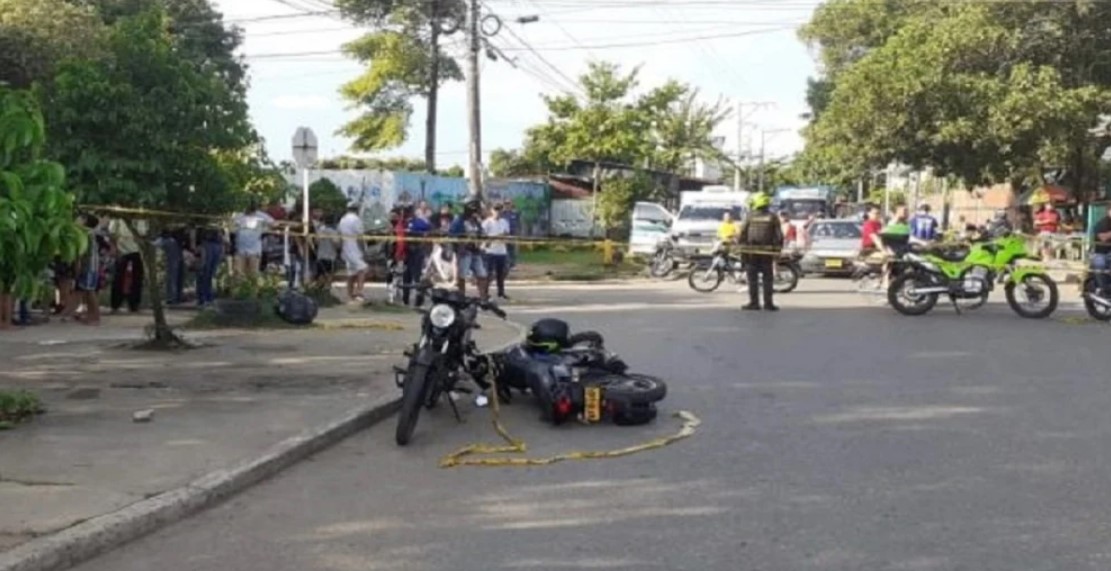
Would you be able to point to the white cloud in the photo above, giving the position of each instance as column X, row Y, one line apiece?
column 301, row 102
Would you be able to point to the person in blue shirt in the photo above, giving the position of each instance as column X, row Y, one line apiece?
column 416, row 253
column 924, row 226
column 509, row 213
column 468, row 254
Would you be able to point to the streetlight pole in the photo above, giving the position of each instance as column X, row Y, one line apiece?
column 763, row 142
column 474, row 123
column 755, row 105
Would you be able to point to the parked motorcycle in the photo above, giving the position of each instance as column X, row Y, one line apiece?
column 664, row 260
column 707, row 276
column 972, row 276
column 1096, row 301
column 443, row 356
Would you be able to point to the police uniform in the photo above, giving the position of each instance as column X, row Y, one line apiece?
column 761, row 230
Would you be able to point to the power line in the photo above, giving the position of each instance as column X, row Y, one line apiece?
column 680, row 40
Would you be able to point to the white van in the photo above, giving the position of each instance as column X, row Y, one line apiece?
column 700, row 214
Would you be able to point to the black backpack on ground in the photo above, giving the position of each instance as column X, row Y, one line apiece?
column 296, row 308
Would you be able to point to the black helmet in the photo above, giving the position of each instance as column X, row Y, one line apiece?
column 549, row 335
column 472, row 205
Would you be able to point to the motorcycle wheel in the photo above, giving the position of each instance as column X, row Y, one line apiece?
column 869, row 284
column 1096, row 310
column 1051, row 289
column 898, row 298
column 414, row 394
column 786, row 278
column 662, row 265
column 703, row 281
column 587, row 339
column 631, row 388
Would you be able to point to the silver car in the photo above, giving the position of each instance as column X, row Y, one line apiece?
column 834, row 245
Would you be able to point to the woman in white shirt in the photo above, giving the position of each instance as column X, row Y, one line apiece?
column 497, row 255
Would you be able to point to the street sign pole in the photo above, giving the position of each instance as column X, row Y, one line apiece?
column 305, row 151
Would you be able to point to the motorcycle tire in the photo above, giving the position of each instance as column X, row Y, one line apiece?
column 895, row 299
column 632, row 389
column 701, row 282
column 1096, row 310
column 788, row 283
column 634, row 415
column 414, row 394
column 587, row 339
column 661, row 266
column 1054, row 298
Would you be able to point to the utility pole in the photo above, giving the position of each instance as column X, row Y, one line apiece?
column 474, row 123
column 755, row 105
column 763, row 141
column 433, row 89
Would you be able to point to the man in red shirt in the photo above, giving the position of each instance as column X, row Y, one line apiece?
column 1047, row 221
column 868, row 232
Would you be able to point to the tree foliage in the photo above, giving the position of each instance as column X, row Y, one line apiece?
column 36, row 35
column 400, row 64
column 986, row 92
column 327, row 196
column 155, row 125
column 619, row 195
column 663, row 128
column 36, row 214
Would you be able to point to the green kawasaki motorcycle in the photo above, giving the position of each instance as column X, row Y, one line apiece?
column 971, row 276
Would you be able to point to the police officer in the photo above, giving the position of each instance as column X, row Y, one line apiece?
column 761, row 230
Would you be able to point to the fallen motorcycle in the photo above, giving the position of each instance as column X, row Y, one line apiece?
column 972, row 276
column 708, row 275
column 443, row 357
column 574, row 377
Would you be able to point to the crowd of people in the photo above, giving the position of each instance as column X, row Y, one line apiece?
column 254, row 241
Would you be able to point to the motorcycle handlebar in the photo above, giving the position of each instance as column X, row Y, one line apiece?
column 481, row 304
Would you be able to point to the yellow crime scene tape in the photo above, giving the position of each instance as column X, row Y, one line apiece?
column 464, row 456
column 608, row 247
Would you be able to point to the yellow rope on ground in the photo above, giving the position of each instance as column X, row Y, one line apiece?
column 517, row 446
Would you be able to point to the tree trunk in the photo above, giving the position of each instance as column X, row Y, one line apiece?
column 433, row 92
column 162, row 336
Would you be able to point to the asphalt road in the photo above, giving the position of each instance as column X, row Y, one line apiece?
column 836, row 435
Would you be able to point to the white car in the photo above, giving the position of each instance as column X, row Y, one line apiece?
column 645, row 235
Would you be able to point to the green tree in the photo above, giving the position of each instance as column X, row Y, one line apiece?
column 405, row 60
column 169, row 119
column 507, row 163
column 683, row 127
column 327, row 196
column 618, row 197
column 36, row 214
column 36, row 35
column 987, row 92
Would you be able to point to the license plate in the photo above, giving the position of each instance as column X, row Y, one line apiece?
column 834, row 263
column 593, row 412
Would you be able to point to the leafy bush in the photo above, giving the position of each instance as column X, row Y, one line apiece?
column 18, row 406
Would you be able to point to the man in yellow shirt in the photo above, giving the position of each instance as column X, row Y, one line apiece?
column 727, row 230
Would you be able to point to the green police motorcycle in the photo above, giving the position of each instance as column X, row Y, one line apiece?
column 972, row 275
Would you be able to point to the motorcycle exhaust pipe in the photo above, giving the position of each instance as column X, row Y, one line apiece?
column 1098, row 299
column 928, row 290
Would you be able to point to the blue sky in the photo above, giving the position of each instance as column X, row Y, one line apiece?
column 747, row 50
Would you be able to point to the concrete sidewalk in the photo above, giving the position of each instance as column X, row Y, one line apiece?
column 213, row 408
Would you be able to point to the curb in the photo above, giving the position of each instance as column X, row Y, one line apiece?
column 98, row 535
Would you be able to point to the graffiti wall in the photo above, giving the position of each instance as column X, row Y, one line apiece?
column 379, row 191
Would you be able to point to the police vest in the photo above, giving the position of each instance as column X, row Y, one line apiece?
column 762, row 229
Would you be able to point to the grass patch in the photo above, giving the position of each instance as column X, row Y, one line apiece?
column 578, row 263
column 17, row 407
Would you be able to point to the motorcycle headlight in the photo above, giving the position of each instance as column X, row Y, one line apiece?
column 441, row 316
